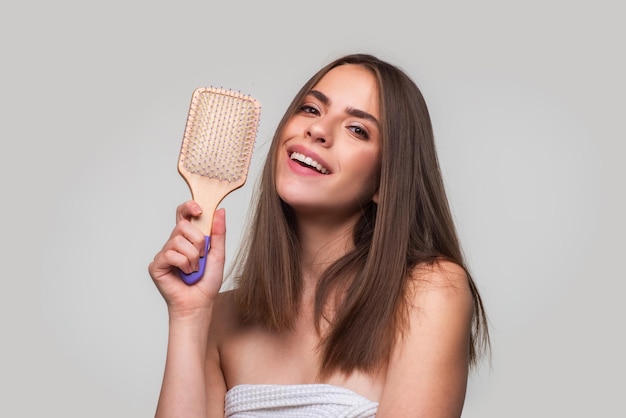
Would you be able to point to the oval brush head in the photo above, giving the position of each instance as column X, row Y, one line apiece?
column 216, row 150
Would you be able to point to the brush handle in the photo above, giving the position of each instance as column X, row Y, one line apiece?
column 193, row 277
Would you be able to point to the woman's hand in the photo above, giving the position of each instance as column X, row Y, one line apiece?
column 182, row 251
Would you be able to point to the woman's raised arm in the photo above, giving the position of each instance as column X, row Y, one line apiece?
column 185, row 389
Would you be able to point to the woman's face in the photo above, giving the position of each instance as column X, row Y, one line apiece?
column 328, row 158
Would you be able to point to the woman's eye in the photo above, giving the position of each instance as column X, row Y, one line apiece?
column 309, row 109
column 359, row 131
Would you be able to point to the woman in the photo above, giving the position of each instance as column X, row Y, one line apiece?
column 352, row 296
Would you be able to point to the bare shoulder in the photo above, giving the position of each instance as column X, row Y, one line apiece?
column 223, row 321
column 439, row 298
column 442, row 284
column 442, row 274
column 428, row 366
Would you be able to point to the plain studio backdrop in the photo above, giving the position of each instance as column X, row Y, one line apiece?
column 527, row 102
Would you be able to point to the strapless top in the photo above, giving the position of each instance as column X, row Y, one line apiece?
column 296, row 401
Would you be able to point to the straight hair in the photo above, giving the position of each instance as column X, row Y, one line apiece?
column 410, row 227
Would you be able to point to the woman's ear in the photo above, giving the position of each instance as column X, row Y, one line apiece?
column 375, row 197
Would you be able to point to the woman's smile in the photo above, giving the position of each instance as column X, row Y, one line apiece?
column 329, row 156
column 305, row 161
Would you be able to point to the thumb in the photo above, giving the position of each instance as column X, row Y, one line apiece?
column 218, row 236
column 213, row 276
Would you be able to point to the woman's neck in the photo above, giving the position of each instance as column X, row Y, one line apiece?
column 323, row 242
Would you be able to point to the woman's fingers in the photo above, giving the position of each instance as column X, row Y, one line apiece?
column 182, row 252
column 188, row 210
column 184, row 226
column 189, row 232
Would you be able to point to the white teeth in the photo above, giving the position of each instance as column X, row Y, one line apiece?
column 308, row 161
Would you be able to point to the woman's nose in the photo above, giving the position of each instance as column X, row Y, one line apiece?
column 318, row 131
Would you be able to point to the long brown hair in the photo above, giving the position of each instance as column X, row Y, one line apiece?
column 411, row 225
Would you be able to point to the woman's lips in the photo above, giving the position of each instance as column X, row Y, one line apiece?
column 309, row 162
column 300, row 156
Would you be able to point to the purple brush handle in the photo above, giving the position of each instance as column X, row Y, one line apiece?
column 193, row 277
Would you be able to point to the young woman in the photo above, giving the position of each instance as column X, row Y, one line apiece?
column 352, row 296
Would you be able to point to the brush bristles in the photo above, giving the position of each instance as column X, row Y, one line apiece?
column 220, row 135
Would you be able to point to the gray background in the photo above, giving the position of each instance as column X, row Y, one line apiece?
column 527, row 101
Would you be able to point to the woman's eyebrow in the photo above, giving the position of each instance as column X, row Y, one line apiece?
column 350, row 111
column 362, row 115
column 320, row 96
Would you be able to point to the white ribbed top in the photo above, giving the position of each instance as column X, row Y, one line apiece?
column 296, row 401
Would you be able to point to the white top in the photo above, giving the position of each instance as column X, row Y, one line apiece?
column 296, row 401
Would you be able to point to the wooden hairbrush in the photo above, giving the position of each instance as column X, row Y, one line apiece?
column 215, row 154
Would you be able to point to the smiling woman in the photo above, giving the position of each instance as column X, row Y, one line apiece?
column 352, row 297
column 336, row 128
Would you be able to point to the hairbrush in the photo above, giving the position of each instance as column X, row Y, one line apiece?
column 215, row 154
